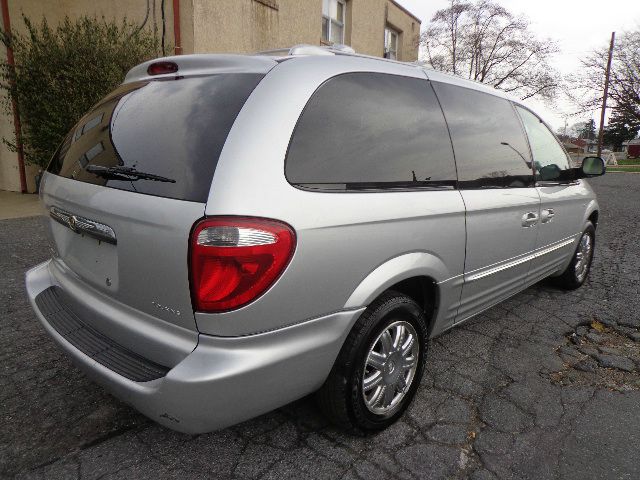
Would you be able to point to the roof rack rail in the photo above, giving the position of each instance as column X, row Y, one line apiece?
column 306, row 49
column 341, row 48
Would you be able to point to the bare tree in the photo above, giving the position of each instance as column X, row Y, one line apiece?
column 624, row 83
column 577, row 130
column 482, row 41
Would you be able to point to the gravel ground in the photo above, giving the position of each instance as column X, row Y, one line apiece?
column 545, row 385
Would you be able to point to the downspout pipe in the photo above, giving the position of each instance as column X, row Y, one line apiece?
column 14, row 106
column 176, row 27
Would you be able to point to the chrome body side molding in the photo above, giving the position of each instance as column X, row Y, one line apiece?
column 521, row 260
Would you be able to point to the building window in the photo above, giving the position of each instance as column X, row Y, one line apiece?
column 333, row 21
column 390, row 44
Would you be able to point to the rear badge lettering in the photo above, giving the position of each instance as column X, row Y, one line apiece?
column 166, row 309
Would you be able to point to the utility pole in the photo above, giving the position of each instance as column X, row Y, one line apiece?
column 606, row 92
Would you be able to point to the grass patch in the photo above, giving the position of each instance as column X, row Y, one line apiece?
column 624, row 168
column 630, row 161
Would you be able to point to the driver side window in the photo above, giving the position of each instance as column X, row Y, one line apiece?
column 549, row 157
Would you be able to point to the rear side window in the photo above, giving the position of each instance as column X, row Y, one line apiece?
column 371, row 131
column 489, row 143
column 174, row 129
column 550, row 159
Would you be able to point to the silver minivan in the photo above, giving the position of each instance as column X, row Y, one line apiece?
column 230, row 233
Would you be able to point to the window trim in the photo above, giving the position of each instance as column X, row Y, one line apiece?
column 523, row 129
column 331, row 21
column 375, row 187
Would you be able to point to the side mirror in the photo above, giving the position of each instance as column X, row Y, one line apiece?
column 592, row 167
column 549, row 172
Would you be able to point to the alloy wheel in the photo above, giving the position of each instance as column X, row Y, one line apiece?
column 390, row 367
column 583, row 256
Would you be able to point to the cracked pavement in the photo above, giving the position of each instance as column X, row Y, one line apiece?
column 525, row 390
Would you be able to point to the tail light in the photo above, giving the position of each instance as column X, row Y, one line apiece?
column 160, row 68
column 234, row 260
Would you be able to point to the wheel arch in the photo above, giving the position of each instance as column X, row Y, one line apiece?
column 414, row 274
column 592, row 213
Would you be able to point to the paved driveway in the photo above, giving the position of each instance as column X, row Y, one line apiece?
column 519, row 392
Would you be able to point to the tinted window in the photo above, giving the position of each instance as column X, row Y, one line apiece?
column 175, row 129
column 549, row 157
column 366, row 130
column 489, row 143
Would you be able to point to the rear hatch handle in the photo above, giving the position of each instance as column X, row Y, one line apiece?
column 83, row 225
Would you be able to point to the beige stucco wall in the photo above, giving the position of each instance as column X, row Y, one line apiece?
column 9, row 173
column 234, row 26
column 368, row 20
column 243, row 26
column 409, row 28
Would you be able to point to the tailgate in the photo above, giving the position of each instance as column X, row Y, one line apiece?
column 130, row 180
column 145, row 266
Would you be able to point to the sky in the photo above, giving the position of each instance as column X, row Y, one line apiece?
column 577, row 25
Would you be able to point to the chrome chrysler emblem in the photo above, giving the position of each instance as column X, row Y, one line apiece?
column 83, row 225
column 391, row 366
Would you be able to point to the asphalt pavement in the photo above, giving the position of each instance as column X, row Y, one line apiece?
column 545, row 385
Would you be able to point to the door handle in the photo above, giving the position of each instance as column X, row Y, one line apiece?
column 529, row 219
column 547, row 215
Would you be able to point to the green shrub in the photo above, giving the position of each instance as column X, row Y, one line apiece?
column 61, row 72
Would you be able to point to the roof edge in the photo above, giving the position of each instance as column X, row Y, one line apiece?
column 404, row 9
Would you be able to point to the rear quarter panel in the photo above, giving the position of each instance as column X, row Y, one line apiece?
column 342, row 238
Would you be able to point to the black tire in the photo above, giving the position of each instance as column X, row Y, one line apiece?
column 569, row 279
column 341, row 397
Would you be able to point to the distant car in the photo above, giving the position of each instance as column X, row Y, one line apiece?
column 231, row 233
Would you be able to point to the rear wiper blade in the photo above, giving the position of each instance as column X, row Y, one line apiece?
column 125, row 173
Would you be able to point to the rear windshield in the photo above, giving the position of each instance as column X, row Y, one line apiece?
column 171, row 129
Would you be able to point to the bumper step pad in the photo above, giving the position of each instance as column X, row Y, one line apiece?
column 55, row 306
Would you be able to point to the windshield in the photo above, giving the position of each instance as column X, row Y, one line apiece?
column 173, row 129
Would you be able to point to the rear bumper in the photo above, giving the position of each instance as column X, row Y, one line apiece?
column 225, row 380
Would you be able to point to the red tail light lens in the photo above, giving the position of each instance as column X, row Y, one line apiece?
column 234, row 260
column 160, row 68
